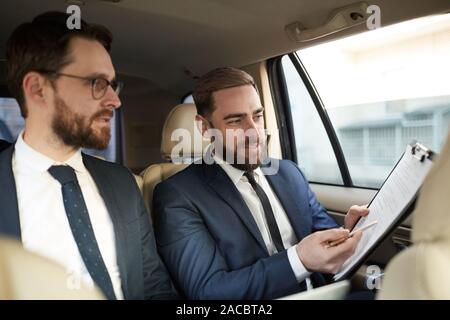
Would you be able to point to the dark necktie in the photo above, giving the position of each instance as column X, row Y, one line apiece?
column 270, row 218
column 80, row 223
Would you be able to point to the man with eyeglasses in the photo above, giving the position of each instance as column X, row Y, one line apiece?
column 80, row 211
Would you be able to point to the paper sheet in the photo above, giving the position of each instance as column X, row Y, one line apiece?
column 398, row 191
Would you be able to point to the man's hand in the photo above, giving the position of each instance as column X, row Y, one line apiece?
column 353, row 214
column 316, row 254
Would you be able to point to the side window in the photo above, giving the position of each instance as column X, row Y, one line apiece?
column 12, row 123
column 315, row 155
column 380, row 89
column 188, row 99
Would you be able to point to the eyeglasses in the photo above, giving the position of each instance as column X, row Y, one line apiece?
column 99, row 86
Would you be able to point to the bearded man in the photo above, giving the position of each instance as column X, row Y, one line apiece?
column 83, row 212
column 244, row 226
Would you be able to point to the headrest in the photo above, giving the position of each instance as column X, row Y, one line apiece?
column 181, row 131
column 431, row 218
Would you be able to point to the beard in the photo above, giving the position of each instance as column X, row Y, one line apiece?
column 249, row 163
column 241, row 158
column 76, row 130
column 247, row 167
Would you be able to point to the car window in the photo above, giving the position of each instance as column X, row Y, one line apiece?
column 12, row 123
column 314, row 152
column 188, row 99
column 380, row 89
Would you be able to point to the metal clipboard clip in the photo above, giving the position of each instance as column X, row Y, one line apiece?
column 420, row 152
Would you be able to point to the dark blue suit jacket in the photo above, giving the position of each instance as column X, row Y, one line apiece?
column 142, row 272
column 210, row 242
column 4, row 144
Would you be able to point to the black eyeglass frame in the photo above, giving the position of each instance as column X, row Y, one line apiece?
column 114, row 84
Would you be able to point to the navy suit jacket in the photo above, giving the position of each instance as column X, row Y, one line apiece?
column 4, row 144
column 142, row 272
column 210, row 242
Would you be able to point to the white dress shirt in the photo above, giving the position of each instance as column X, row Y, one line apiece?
column 44, row 225
column 254, row 204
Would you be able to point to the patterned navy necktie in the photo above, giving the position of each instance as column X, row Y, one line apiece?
column 82, row 231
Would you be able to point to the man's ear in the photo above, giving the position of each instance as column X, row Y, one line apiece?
column 34, row 85
column 203, row 125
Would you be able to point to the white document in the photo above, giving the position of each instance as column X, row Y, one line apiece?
column 394, row 197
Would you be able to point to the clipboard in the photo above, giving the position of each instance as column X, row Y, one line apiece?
column 424, row 157
column 419, row 151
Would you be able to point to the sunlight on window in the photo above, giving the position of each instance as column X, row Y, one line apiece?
column 403, row 61
column 382, row 89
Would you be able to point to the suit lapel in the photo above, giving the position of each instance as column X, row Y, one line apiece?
column 287, row 200
column 221, row 184
column 107, row 193
column 9, row 209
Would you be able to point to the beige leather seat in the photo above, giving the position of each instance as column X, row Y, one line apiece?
column 423, row 270
column 27, row 276
column 139, row 181
column 179, row 122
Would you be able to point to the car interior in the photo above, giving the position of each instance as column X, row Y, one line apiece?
column 314, row 62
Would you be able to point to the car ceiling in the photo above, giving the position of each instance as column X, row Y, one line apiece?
column 168, row 41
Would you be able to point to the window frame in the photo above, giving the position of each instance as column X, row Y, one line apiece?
column 284, row 117
column 120, row 136
column 282, row 107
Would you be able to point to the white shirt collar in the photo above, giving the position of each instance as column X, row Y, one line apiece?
column 234, row 173
column 27, row 156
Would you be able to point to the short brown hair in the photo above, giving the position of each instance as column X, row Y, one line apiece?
column 42, row 45
column 215, row 80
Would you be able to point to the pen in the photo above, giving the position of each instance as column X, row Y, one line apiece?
column 339, row 241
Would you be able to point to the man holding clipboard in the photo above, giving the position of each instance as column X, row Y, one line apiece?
column 231, row 229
